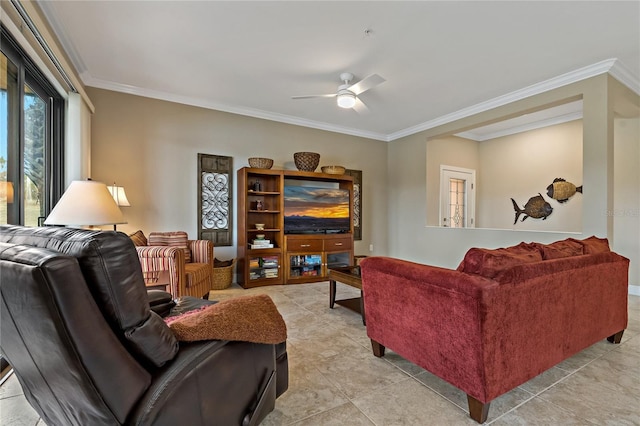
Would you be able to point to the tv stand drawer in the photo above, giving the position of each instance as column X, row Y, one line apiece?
column 333, row 244
column 304, row 245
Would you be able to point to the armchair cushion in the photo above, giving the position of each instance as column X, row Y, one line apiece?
column 196, row 273
column 172, row 239
column 252, row 318
column 138, row 238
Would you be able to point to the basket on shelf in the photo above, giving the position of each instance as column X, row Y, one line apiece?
column 260, row 163
column 333, row 170
column 306, row 161
column 222, row 275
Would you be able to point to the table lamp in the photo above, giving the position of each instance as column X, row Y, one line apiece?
column 6, row 191
column 86, row 203
column 118, row 194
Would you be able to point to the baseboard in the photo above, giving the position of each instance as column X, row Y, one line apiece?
column 634, row 289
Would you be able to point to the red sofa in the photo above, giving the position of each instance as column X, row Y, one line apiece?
column 503, row 317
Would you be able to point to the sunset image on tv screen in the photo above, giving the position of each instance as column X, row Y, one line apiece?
column 310, row 209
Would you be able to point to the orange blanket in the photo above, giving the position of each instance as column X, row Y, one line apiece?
column 252, row 318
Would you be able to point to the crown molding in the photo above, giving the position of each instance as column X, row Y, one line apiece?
column 234, row 109
column 565, row 118
column 535, row 89
column 612, row 66
column 626, row 77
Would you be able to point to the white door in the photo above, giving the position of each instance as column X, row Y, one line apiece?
column 457, row 197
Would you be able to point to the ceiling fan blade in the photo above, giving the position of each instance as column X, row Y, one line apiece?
column 314, row 96
column 360, row 107
column 366, row 84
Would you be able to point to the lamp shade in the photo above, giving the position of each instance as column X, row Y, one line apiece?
column 85, row 202
column 118, row 194
column 6, row 191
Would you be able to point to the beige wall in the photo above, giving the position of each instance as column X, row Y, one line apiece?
column 521, row 166
column 150, row 147
column 626, row 193
column 409, row 238
column 517, row 166
column 449, row 151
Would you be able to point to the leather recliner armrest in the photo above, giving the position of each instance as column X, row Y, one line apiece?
column 214, row 381
column 160, row 302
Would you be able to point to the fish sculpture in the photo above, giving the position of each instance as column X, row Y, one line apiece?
column 536, row 208
column 562, row 190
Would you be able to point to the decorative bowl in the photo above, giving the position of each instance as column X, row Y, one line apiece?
column 306, row 161
column 260, row 237
column 333, row 170
column 260, row 226
column 260, row 163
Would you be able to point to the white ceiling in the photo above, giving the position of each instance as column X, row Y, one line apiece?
column 441, row 60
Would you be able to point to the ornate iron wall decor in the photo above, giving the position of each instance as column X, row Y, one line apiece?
column 215, row 206
column 357, row 202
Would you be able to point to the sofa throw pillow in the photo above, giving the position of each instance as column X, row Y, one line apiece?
column 172, row 239
column 594, row 245
column 560, row 249
column 489, row 262
column 138, row 238
column 253, row 318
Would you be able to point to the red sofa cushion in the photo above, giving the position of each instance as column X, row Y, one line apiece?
column 489, row 262
column 560, row 249
column 593, row 245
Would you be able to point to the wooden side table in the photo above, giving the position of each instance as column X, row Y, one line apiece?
column 349, row 275
column 157, row 280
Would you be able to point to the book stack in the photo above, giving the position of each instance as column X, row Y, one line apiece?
column 261, row 244
column 271, row 273
column 270, row 262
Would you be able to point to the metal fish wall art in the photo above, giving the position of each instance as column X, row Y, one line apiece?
column 537, row 207
column 561, row 190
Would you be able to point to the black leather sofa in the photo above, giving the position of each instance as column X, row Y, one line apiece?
column 86, row 347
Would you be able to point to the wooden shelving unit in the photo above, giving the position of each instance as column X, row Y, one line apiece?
column 261, row 201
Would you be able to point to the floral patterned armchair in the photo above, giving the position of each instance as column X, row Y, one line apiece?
column 189, row 262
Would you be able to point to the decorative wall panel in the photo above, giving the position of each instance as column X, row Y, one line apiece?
column 214, row 202
column 357, row 202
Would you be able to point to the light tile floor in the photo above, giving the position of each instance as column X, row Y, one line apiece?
column 336, row 380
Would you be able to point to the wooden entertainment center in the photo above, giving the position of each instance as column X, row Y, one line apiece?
column 274, row 254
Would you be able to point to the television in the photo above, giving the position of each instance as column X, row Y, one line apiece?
column 315, row 210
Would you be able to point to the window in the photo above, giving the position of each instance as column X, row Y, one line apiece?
column 31, row 129
column 31, row 135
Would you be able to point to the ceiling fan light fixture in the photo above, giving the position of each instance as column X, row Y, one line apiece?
column 346, row 100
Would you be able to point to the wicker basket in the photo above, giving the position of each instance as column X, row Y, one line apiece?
column 223, row 276
column 260, row 163
column 333, row 170
column 306, row 161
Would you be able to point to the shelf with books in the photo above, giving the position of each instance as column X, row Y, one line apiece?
column 264, row 267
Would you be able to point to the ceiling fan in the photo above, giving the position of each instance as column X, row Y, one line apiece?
column 347, row 94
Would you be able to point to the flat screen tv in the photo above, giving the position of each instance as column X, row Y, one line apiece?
column 312, row 210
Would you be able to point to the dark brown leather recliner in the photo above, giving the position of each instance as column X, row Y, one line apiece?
column 87, row 349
